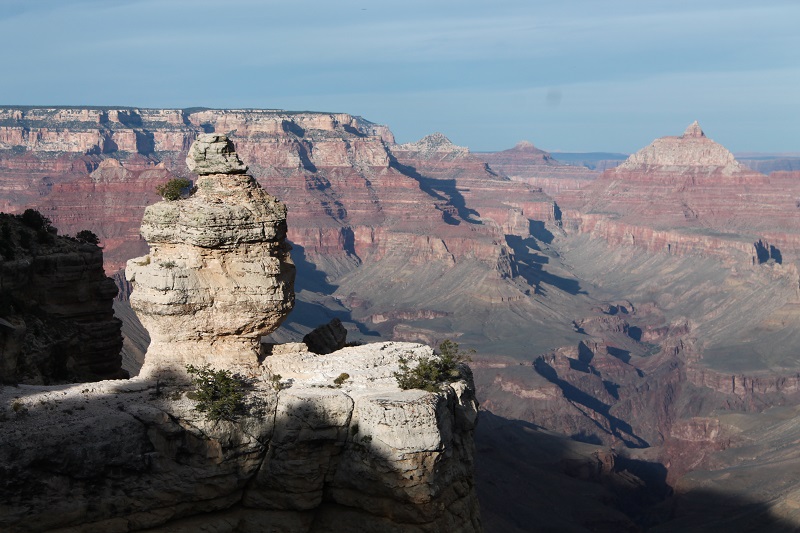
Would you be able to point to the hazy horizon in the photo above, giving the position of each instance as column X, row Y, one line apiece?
column 573, row 77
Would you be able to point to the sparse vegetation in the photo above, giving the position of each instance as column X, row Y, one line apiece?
column 169, row 264
column 219, row 394
column 431, row 372
column 174, row 189
column 275, row 379
column 341, row 378
column 36, row 221
column 87, row 237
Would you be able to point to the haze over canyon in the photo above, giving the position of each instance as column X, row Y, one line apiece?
column 636, row 323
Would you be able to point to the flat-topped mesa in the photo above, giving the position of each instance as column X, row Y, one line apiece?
column 219, row 275
column 692, row 151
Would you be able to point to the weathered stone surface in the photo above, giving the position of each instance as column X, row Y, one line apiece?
column 218, row 276
column 134, row 455
column 212, row 153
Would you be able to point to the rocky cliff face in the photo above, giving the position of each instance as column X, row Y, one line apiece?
column 365, row 228
column 473, row 188
column 218, row 276
column 317, row 443
column 133, row 455
column 348, row 202
column 56, row 320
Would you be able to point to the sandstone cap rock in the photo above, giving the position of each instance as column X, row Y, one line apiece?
column 214, row 153
column 694, row 130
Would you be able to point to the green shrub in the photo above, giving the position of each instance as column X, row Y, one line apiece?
column 219, row 394
column 431, row 372
column 87, row 237
column 173, row 189
column 275, row 379
column 36, row 221
column 344, row 376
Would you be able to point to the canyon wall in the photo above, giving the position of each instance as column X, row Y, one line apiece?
column 533, row 166
column 56, row 320
column 258, row 438
column 688, row 194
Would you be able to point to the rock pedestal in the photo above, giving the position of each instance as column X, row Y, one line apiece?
column 219, row 275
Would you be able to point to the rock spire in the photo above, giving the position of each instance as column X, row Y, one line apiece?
column 214, row 154
column 219, row 274
column 694, row 130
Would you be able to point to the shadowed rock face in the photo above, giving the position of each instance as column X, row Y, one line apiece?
column 56, row 320
column 134, row 455
column 219, row 275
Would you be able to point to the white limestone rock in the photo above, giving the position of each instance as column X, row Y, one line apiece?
column 219, row 275
column 213, row 153
column 120, row 456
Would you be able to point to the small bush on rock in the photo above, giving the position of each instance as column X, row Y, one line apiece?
column 87, row 237
column 339, row 381
column 35, row 220
column 173, row 189
column 219, row 394
column 431, row 372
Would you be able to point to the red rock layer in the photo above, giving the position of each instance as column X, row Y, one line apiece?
column 688, row 194
column 468, row 184
column 537, row 168
column 97, row 168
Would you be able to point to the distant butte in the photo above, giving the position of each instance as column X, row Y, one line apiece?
column 529, row 164
column 687, row 194
column 690, row 150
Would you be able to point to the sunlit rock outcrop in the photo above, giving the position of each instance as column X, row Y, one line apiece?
column 219, row 275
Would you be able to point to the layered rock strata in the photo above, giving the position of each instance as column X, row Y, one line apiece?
column 219, row 275
column 688, row 195
column 537, row 168
column 56, row 318
column 312, row 457
column 472, row 188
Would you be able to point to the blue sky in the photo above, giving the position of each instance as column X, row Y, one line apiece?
column 574, row 75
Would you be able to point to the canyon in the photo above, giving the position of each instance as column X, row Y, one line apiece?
column 635, row 327
column 258, row 438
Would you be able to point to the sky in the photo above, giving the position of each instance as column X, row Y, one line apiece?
column 569, row 75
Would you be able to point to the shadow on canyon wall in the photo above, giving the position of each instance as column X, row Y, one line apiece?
column 530, row 265
column 440, row 189
column 315, row 304
column 533, row 480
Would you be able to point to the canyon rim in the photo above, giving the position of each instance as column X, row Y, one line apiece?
column 636, row 327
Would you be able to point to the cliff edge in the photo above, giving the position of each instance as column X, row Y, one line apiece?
column 316, row 443
column 134, row 455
